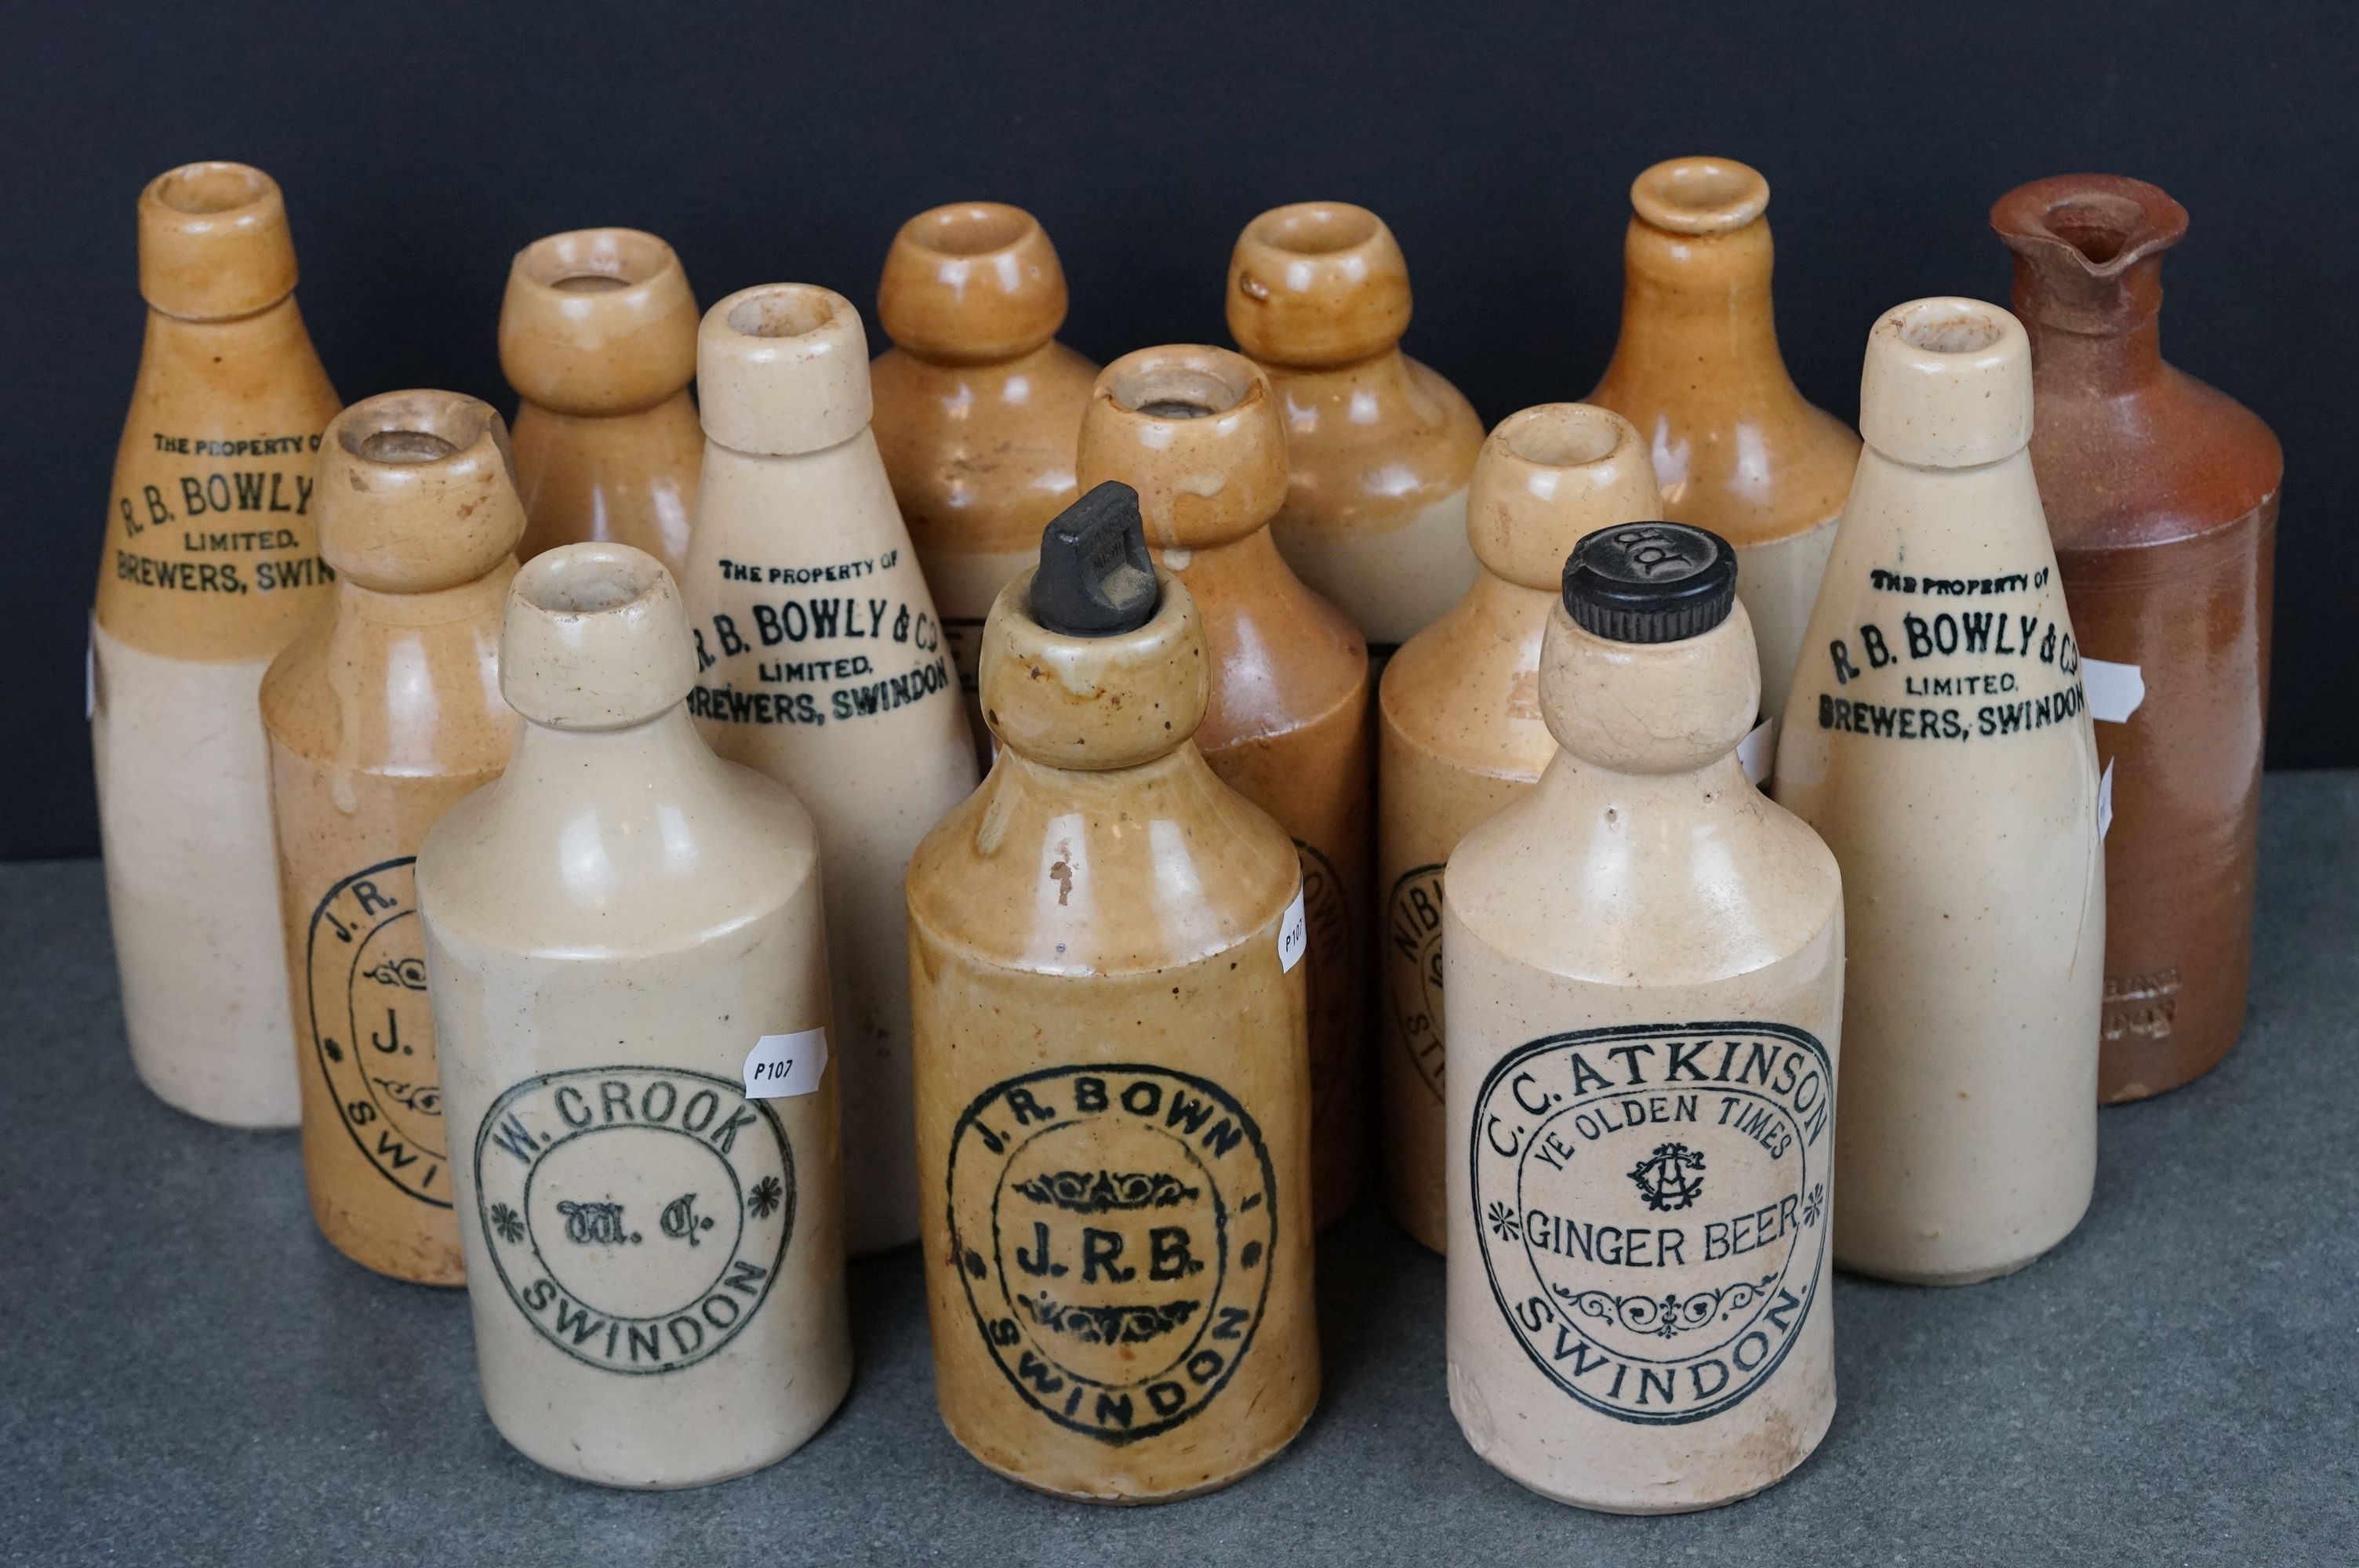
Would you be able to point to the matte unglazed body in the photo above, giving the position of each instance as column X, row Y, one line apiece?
column 381, row 715
column 1114, row 1096
column 823, row 665
column 1940, row 745
column 2161, row 496
column 978, row 408
column 1462, row 735
column 1645, row 975
column 1195, row 432
column 210, row 566
column 655, row 1257
column 598, row 337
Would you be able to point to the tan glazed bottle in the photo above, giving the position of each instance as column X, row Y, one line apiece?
column 1379, row 448
column 1462, row 735
column 978, row 408
column 821, row 664
column 630, row 999
column 1940, row 745
column 1645, row 982
column 1697, row 369
column 598, row 337
column 1195, row 432
column 384, row 713
column 1113, row 1099
column 211, row 565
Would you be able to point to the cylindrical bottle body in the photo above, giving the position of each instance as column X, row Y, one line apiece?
column 1778, row 581
column 630, row 478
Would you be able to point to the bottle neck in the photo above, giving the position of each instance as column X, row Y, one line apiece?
column 481, row 599
column 2090, row 335
column 658, row 764
column 1697, row 300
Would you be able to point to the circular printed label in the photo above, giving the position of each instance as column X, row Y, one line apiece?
column 1327, row 917
column 373, row 1028
column 635, row 1214
column 1652, row 1201
column 1114, row 1228
column 1413, row 970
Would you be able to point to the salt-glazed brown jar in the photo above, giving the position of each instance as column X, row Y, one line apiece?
column 383, row 714
column 1196, row 432
column 1645, row 985
column 1461, row 734
column 1736, row 447
column 978, row 406
column 630, row 992
column 2162, row 499
column 598, row 337
column 1379, row 448
column 1114, row 1096
column 210, row 566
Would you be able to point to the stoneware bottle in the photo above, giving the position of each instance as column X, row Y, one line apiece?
column 2162, row 498
column 1462, row 735
column 598, row 337
column 1646, row 978
column 211, row 564
column 1737, row 449
column 821, row 664
column 629, row 972
column 1940, row 745
column 1196, row 433
column 382, row 714
column 978, row 406
column 1113, row 1097
column 1379, row 448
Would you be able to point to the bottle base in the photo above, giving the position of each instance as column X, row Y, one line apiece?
column 1635, row 1505
column 572, row 1462
column 1128, row 1499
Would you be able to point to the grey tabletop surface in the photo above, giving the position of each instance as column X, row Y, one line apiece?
column 191, row 1376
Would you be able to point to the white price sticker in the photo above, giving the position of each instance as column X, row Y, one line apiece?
column 1757, row 751
column 2115, row 690
column 780, row 1065
column 1293, row 934
column 2106, row 801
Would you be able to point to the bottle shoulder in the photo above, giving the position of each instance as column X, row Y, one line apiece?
column 1372, row 441
column 405, row 700
column 1283, row 659
column 1465, row 690
column 980, row 457
column 2174, row 461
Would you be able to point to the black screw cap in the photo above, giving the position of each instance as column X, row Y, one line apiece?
column 1095, row 578
column 1651, row 582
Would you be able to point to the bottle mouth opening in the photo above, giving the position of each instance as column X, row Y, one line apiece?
column 784, row 310
column 1701, row 195
column 1568, row 436
column 411, row 432
column 204, row 190
column 969, row 228
column 1182, row 391
column 2099, row 227
column 594, row 260
column 1317, row 228
column 588, row 582
column 1949, row 330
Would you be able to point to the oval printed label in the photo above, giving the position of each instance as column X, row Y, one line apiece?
column 1413, row 971
column 1114, row 1228
column 1652, row 1206
column 373, row 1028
column 635, row 1214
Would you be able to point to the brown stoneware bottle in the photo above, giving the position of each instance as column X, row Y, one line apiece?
column 978, row 406
column 1737, row 449
column 1114, row 1094
column 1461, row 734
column 1196, row 432
column 2162, row 498
column 383, row 714
column 210, row 566
column 598, row 337
column 1379, row 448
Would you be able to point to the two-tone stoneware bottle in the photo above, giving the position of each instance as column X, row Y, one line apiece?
column 383, row 714
column 1940, row 743
column 1736, row 447
column 978, row 406
column 1646, row 984
column 598, row 337
column 1379, row 448
column 1461, row 734
column 630, row 992
column 210, row 566
column 1113, row 1099
column 821, row 663
column 1196, row 433
column 2161, row 496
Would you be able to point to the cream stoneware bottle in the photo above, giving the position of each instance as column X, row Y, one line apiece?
column 1379, row 448
column 1940, row 744
column 978, row 406
column 1196, row 433
column 211, row 564
column 1645, row 977
column 629, row 972
column 822, row 663
column 1737, row 449
column 381, row 715
column 598, row 337
column 1113, row 1099
column 1461, row 734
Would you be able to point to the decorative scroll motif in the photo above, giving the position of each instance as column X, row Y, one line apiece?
column 407, row 973
column 1671, row 1313
column 1121, row 1324
column 1107, row 1191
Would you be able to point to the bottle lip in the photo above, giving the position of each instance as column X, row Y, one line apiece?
column 969, row 282
column 417, row 491
column 595, row 637
column 1195, row 431
column 1315, row 284
column 1700, row 195
column 1546, row 476
column 213, row 242
column 1946, row 382
column 2100, row 225
column 598, row 321
column 782, row 368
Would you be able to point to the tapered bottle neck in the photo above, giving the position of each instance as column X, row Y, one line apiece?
column 1698, row 304
column 2090, row 335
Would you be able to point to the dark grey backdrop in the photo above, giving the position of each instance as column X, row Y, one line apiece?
column 421, row 144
